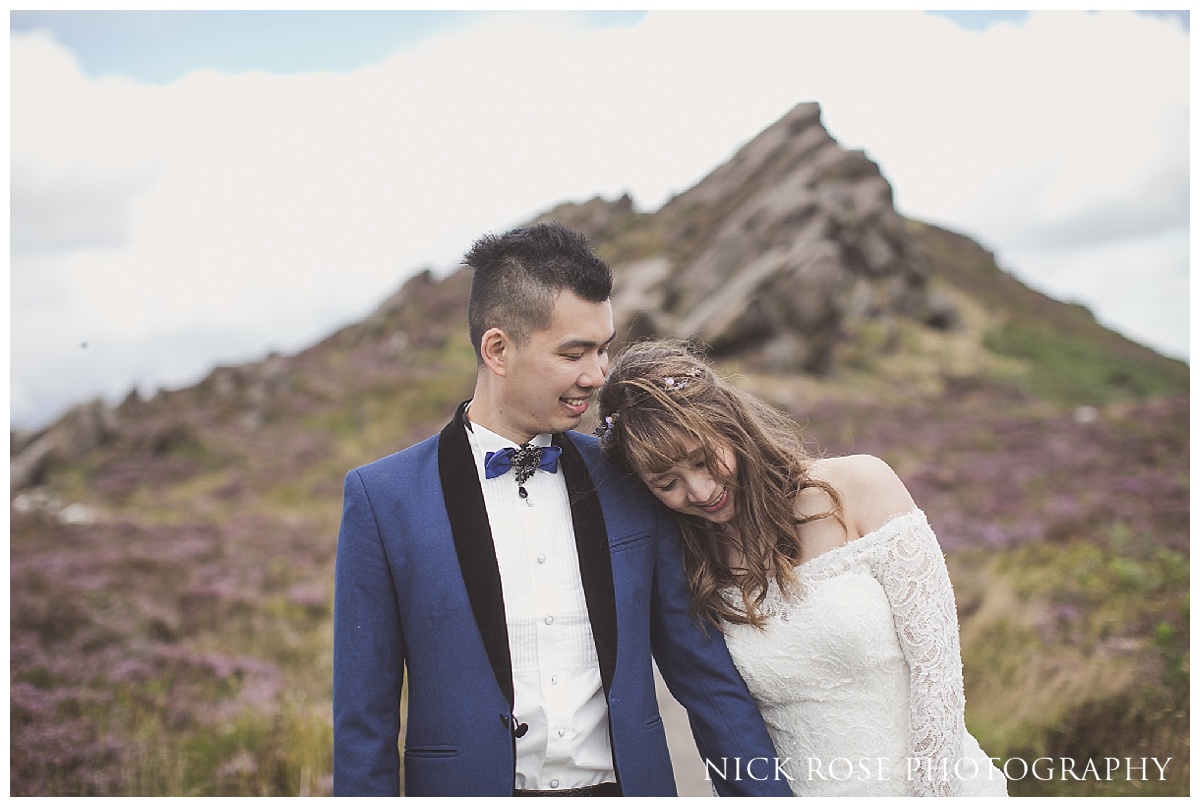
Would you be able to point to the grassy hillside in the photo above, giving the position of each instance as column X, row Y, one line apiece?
column 1067, row 532
column 171, row 632
column 171, row 593
column 1063, row 353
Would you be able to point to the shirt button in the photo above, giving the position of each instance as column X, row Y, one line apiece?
column 554, row 783
column 554, row 679
column 549, row 620
column 562, row 732
column 541, row 558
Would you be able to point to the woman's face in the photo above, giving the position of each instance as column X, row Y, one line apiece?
column 689, row 487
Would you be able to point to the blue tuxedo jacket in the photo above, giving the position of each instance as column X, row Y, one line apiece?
column 418, row 589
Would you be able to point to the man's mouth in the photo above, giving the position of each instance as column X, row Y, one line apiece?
column 577, row 405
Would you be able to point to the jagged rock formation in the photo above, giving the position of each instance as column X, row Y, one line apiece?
column 783, row 252
column 72, row 436
column 597, row 219
column 790, row 257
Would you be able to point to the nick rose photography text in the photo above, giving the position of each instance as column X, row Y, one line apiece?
column 1014, row 769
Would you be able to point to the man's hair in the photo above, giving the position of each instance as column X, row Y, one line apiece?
column 518, row 276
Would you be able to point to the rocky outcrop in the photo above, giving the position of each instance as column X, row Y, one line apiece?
column 781, row 254
column 82, row 429
column 790, row 257
column 249, row 389
column 597, row 219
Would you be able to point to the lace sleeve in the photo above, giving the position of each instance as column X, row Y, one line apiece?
column 912, row 570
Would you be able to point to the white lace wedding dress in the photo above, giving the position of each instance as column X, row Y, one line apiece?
column 859, row 676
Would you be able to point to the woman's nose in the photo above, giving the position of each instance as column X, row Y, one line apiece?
column 701, row 488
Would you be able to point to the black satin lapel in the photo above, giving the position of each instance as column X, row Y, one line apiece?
column 473, row 543
column 595, row 563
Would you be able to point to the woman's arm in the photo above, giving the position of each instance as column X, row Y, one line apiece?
column 909, row 564
column 912, row 570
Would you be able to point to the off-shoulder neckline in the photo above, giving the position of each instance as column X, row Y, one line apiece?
column 887, row 527
column 816, row 562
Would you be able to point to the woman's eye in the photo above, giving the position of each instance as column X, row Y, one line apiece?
column 667, row 487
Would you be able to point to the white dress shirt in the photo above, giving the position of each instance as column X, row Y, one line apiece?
column 556, row 673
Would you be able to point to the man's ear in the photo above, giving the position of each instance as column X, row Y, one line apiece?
column 494, row 348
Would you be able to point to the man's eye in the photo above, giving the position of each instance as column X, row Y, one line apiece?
column 573, row 356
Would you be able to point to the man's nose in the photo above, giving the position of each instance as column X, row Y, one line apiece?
column 592, row 375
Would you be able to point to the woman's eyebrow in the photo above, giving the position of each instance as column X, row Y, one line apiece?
column 692, row 456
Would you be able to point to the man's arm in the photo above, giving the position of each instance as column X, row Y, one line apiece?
column 368, row 656
column 696, row 667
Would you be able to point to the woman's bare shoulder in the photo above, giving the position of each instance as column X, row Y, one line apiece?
column 854, row 471
column 871, row 492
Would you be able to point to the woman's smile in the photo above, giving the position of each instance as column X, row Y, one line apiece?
column 718, row 503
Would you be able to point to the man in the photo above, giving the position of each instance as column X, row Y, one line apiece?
column 519, row 580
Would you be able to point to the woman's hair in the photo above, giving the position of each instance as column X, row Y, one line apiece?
column 659, row 401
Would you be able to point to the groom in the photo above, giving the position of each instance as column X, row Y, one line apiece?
column 520, row 582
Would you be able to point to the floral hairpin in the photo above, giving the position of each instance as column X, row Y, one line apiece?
column 670, row 384
column 604, row 430
column 673, row 383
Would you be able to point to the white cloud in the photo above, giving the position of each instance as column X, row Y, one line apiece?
column 220, row 216
column 1148, row 275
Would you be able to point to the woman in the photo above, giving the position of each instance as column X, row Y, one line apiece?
column 824, row 576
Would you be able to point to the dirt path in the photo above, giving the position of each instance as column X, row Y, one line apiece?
column 685, row 759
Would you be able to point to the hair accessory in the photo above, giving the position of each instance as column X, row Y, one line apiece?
column 604, row 430
column 669, row 383
column 672, row 383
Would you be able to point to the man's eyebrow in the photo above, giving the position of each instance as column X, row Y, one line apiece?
column 572, row 344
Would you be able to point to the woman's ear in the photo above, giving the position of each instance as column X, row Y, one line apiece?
column 493, row 347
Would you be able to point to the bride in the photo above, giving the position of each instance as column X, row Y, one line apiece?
column 824, row 576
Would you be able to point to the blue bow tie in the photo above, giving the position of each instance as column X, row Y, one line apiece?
column 526, row 459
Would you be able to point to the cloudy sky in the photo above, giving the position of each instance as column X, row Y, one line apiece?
column 199, row 188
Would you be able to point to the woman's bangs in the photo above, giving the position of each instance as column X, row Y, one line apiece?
column 655, row 447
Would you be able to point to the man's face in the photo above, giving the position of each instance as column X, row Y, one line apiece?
column 550, row 380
